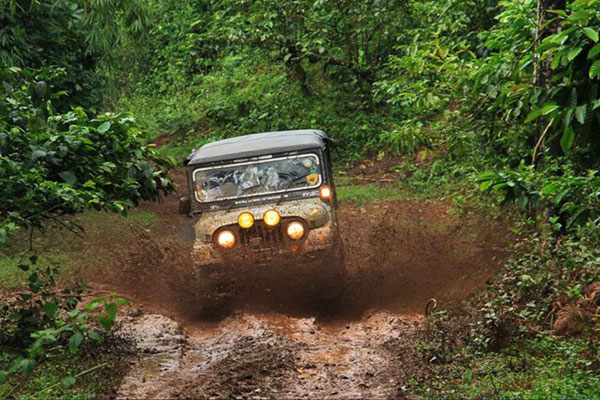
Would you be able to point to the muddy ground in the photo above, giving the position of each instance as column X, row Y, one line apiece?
column 281, row 337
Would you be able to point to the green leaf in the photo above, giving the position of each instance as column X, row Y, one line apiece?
column 69, row 381
column 2, row 235
column 111, row 310
column 50, row 308
column 104, row 127
column 534, row 114
column 547, row 44
column 574, row 52
column 591, row 33
column 556, row 60
column 562, row 13
column 549, row 189
column 69, row 177
column 567, row 139
column 106, row 322
column 594, row 51
column 75, row 341
column 38, row 154
column 485, row 185
column 573, row 218
column 95, row 336
column 550, row 108
column 523, row 200
column 26, row 365
column 94, row 303
column 122, row 302
column 580, row 114
column 595, row 69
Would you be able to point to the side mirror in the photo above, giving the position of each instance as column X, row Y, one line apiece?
column 184, row 205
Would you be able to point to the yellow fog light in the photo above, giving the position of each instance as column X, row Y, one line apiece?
column 295, row 230
column 272, row 218
column 246, row 220
column 226, row 239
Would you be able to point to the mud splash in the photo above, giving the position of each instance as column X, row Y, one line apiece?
column 281, row 337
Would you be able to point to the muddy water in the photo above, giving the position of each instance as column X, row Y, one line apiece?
column 269, row 356
column 280, row 339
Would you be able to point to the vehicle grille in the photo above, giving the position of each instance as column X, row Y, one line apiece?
column 259, row 237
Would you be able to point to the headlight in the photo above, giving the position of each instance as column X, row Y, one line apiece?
column 246, row 220
column 226, row 239
column 272, row 218
column 295, row 230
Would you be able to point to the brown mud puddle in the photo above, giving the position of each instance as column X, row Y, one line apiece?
column 281, row 340
column 254, row 355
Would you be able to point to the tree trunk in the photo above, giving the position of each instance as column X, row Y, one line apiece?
column 542, row 74
column 302, row 78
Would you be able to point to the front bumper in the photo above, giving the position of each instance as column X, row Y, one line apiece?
column 317, row 241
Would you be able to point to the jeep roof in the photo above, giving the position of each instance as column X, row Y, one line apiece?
column 258, row 144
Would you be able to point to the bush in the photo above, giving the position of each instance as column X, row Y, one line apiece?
column 558, row 194
column 46, row 315
column 53, row 165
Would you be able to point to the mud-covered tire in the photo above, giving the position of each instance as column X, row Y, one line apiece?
column 216, row 290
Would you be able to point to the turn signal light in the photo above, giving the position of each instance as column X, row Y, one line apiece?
column 325, row 192
column 272, row 218
column 226, row 239
column 246, row 220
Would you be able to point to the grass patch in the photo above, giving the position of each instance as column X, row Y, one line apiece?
column 373, row 192
column 10, row 274
column 545, row 368
column 144, row 218
column 75, row 254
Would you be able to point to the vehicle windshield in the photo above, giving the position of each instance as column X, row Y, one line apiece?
column 257, row 178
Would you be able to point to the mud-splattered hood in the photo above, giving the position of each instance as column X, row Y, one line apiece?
column 314, row 211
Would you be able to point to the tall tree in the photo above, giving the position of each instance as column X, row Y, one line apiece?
column 76, row 36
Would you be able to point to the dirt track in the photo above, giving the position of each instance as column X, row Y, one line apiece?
column 281, row 340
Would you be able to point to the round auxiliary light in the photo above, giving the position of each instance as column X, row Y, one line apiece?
column 272, row 218
column 325, row 192
column 295, row 230
column 226, row 239
column 246, row 220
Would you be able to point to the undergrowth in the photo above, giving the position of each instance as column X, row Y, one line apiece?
column 532, row 333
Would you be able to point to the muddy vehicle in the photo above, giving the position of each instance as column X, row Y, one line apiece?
column 266, row 198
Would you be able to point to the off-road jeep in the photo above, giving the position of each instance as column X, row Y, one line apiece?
column 266, row 199
column 262, row 197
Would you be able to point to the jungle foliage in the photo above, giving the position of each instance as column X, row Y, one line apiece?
column 53, row 165
column 60, row 156
column 499, row 96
